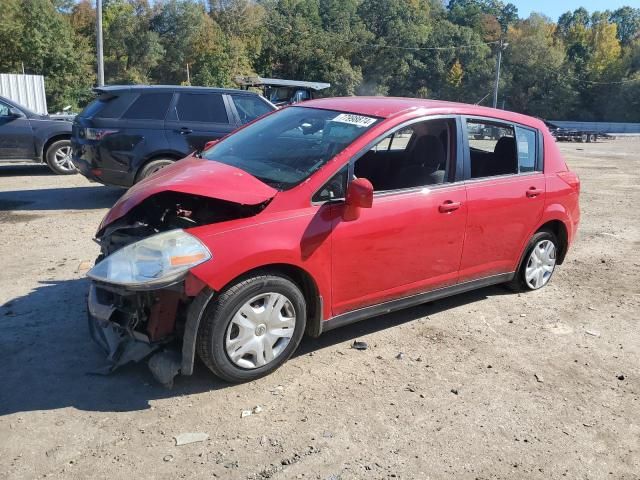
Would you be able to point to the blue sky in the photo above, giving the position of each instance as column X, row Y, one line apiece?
column 555, row 8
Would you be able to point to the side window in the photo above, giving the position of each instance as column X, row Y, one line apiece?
column 201, row 107
column 396, row 141
column 527, row 152
column 492, row 149
column 249, row 107
column 335, row 188
column 4, row 109
column 149, row 106
column 415, row 156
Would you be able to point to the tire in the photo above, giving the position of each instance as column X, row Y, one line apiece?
column 527, row 266
column 152, row 167
column 592, row 138
column 58, row 158
column 220, row 343
column 583, row 138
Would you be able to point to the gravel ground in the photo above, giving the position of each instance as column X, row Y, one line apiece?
column 490, row 384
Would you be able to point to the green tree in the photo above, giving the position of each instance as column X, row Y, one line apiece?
column 534, row 65
column 131, row 49
column 627, row 20
column 391, row 61
column 36, row 35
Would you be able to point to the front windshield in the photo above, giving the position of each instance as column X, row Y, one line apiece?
column 285, row 148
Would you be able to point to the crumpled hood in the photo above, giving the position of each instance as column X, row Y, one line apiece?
column 206, row 178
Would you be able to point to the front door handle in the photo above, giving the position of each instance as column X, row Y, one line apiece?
column 185, row 131
column 533, row 192
column 449, row 206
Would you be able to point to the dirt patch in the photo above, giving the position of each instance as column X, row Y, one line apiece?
column 12, row 217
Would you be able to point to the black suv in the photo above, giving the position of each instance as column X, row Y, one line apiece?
column 129, row 132
column 25, row 135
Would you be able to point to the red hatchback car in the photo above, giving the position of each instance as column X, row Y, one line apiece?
column 320, row 215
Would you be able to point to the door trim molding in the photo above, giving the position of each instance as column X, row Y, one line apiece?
column 410, row 301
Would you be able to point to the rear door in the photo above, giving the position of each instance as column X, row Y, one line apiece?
column 196, row 118
column 505, row 195
column 16, row 136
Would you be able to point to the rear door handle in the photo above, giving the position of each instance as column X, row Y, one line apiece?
column 185, row 131
column 449, row 206
column 533, row 192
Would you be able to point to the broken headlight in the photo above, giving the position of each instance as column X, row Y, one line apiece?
column 155, row 262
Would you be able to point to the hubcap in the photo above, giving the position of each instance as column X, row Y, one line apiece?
column 260, row 330
column 540, row 265
column 62, row 157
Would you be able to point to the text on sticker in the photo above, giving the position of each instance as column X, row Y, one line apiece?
column 358, row 120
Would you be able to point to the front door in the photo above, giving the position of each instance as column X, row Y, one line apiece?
column 410, row 241
column 16, row 136
column 505, row 195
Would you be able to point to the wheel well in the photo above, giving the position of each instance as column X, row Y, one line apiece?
column 303, row 281
column 55, row 138
column 559, row 229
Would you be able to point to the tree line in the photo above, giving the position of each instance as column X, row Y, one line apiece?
column 584, row 66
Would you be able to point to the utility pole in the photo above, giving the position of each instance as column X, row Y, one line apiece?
column 501, row 47
column 99, row 42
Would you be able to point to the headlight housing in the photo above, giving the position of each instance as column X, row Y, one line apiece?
column 155, row 262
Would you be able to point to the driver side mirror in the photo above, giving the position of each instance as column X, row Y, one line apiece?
column 359, row 195
column 14, row 113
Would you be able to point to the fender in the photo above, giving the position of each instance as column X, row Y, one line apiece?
column 300, row 239
column 552, row 212
column 557, row 211
column 45, row 130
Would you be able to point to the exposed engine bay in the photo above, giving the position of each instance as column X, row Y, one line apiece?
column 131, row 324
column 166, row 211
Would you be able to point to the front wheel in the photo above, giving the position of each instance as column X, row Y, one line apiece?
column 539, row 262
column 252, row 328
column 58, row 158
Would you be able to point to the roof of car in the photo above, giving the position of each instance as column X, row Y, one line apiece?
column 386, row 107
column 168, row 88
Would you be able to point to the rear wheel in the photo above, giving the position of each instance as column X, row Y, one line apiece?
column 58, row 158
column 538, row 264
column 252, row 328
column 152, row 167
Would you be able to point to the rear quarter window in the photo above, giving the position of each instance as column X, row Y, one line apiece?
column 201, row 107
column 108, row 105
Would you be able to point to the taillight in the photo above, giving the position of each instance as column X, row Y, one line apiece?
column 97, row 133
column 571, row 179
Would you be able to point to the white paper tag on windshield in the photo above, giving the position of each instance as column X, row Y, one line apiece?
column 358, row 120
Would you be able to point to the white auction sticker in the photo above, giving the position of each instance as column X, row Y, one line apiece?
column 358, row 120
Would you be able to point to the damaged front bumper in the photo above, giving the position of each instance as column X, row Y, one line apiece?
column 120, row 344
column 131, row 325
